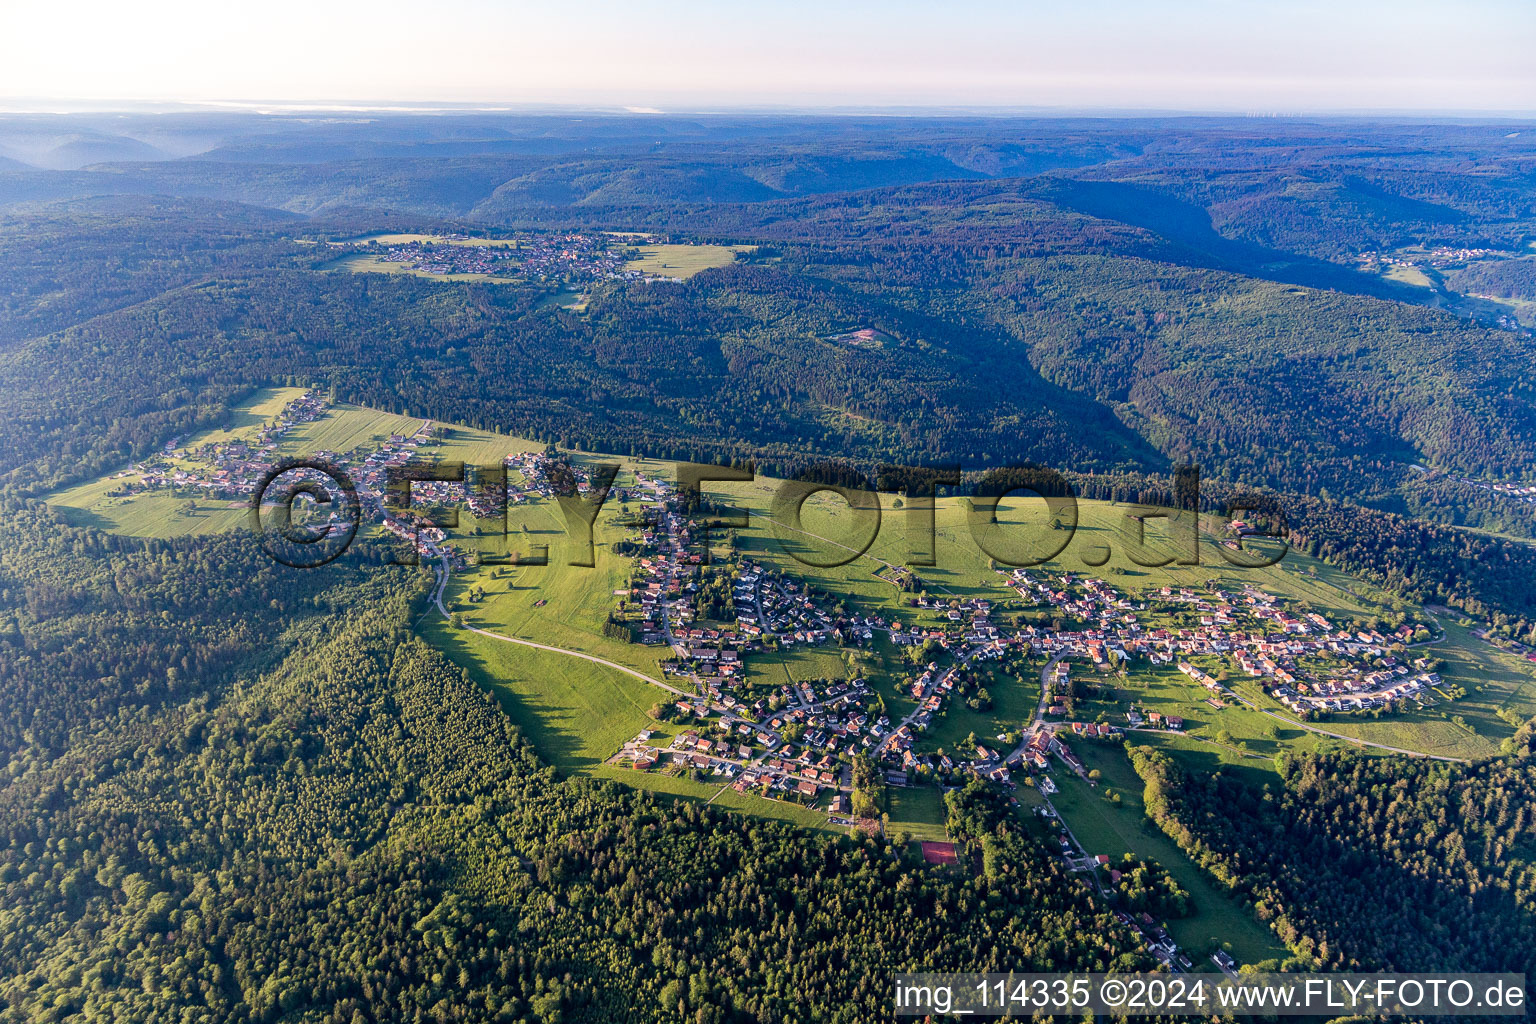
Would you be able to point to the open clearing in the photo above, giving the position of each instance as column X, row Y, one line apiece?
column 576, row 713
column 683, row 260
column 919, row 812
column 407, row 239
column 245, row 420
column 364, row 263
column 1405, row 274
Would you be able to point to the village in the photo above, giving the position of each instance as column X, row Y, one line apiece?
column 232, row 470
column 787, row 743
column 1299, row 658
column 1440, row 257
column 568, row 257
column 800, row 742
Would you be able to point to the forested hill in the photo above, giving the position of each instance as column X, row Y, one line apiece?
column 1078, row 343
column 736, row 363
column 1369, row 863
column 282, row 806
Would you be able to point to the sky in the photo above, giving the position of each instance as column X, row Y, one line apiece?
column 1253, row 56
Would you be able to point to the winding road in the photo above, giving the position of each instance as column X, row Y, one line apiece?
column 1340, row 736
column 437, row 599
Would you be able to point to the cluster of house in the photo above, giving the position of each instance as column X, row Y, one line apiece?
column 528, row 477
column 1154, row 938
column 754, row 761
column 1441, row 257
column 233, row 469
column 1362, row 673
column 776, row 605
column 1249, row 627
column 1514, row 491
column 664, row 583
column 664, row 589
column 453, row 255
column 563, row 256
column 930, row 690
column 968, row 619
column 1487, row 636
column 225, row 470
column 567, row 256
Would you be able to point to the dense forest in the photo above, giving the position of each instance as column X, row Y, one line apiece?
column 1370, row 863
column 1505, row 279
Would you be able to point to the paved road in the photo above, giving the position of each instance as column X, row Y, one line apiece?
column 1045, row 699
column 1045, row 691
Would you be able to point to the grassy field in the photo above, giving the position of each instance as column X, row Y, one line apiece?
column 246, row 419
column 1233, row 734
column 576, row 713
column 683, row 260
column 364, row 263
column 557, row 604
column 779, row 668
column 1106, row 827
column 346, row 427
column 407, row 238
column 147, row 515
column 1405, row 274
column 1013, row 705
column 918, row 811
column 480, row 447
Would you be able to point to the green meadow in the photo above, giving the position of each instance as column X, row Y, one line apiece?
column 576, row 713
column 918, row 811
column 246, row 419
column 160, row 514
column 363, row 263
column 682, row 260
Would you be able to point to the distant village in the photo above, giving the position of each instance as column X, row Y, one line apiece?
column 232, row 470
column 1442, row 257
column 569, row 257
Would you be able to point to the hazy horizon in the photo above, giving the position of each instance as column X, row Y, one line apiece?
column 64, row 106
column 1198, row 56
